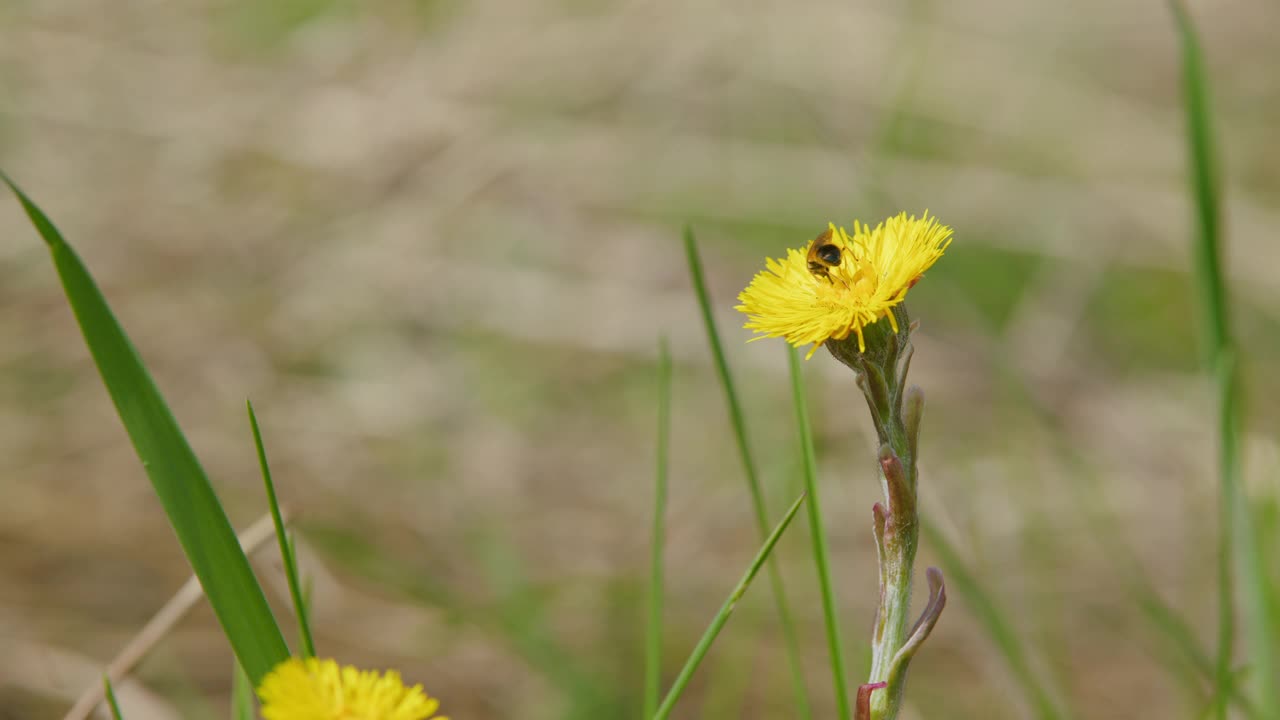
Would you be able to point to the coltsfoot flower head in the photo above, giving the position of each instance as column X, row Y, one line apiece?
column 315, row 689
column 842, row 282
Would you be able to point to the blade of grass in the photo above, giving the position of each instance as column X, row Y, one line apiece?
column 819, row 536
column 736, row 419
column 110, row 694
column 962, row 582
column 1213, row 313
column 161, row 624
column 242, row 705
column 722, row 617
column 522, row 610
column 731, row 682
column 1238, row 545
column 1104, row 527
column 287, row 555
column 1175, row 629
column 508, row 611
column 1251, row 561
column 179, row 480
column 653, row 636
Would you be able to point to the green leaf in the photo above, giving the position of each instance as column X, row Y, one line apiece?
column 110, row 694
column 242, row 703
column 653, row 634
column 1238, row 543
column 962, row 582
column 835, row 648
column 287, row 555
column 179, row 481
column 509, row 609
column 722, row 617
column 736, row 418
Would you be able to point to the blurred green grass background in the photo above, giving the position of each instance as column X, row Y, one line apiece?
column 435, row 243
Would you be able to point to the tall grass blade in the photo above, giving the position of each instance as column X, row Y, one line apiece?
column 514, row 614
column 1213, row 312
column 803, row 711
column 287, row 555
column 962, row 582
column 1179, row 633
column 731, row 682
column 653, row 635
column 179, row 480
column 242, row 703
column 1189, row 662
column 521, row 609
column 1238, row 545
column 1204, row 189
column 722, row 617
column 819, row 536
column 110, row 694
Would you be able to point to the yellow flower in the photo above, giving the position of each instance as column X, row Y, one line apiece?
column 314, row 689
column 876, row 268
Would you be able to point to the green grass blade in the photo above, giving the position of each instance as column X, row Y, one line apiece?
column 731, row 683
column 1238, row 545
column 820, row 553
column 1189, row 663
column 286, row 548
column 736, row 418
column 961, row 582
column 242, row 703
column 1213, row 312
column 1204, row 187
column 1179, row 633
column 179, row 480
column 653, row 634
column 1252, row 563
column 722, row 617
column 1169, row 625
column 508, row 611
column 110, row 694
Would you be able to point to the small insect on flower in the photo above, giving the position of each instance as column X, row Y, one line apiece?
column 843, row 282
column 824, row 254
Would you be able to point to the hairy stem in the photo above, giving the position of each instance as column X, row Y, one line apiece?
column 901, row 535
column 895, row 412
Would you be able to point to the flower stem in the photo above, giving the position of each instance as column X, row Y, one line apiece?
column 895, row 413
column 897, row 542
column 897, row 536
